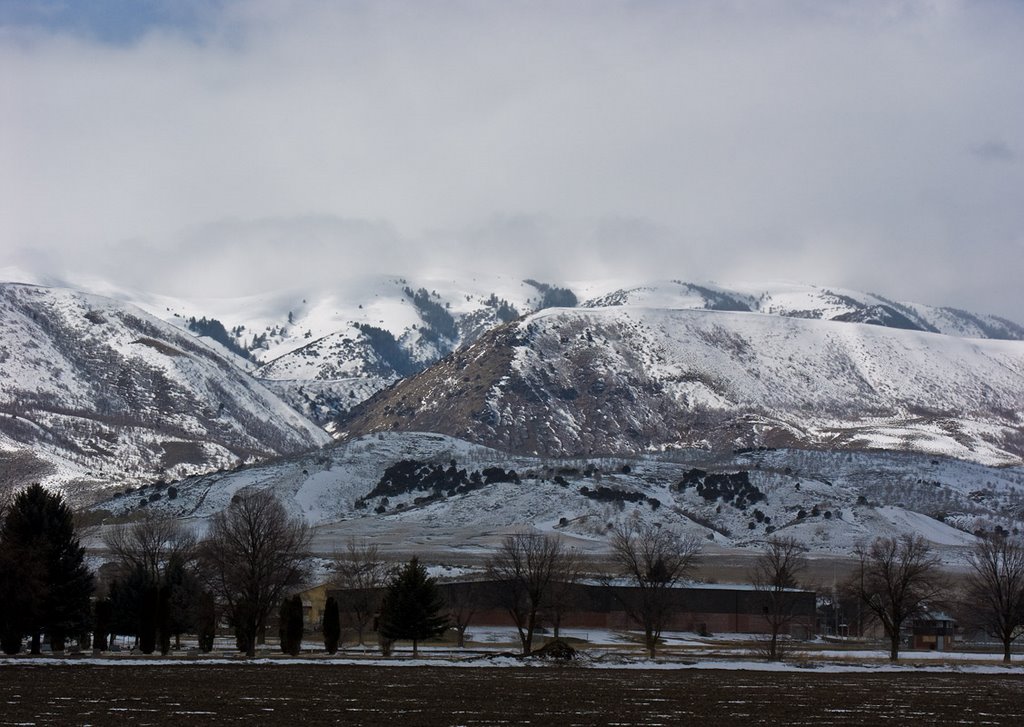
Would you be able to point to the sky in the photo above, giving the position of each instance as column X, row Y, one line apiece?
column 215, row 147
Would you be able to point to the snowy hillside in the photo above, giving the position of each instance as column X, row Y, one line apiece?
column 630, row 379
column 326, row 349
column 97, row 393
column 356, row 339
column 350, row 340
column 410, row 490
column 810, row 301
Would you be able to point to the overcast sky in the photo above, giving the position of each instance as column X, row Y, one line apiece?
column 172, row 145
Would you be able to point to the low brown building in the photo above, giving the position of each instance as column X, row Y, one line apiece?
column 703, row 608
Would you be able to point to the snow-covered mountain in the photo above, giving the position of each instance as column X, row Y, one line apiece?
column 325, row 350
column 96, row 393
column 774, row 364
column 814, row 302
column 620, row 379
column 437, row 493
column 732, row 413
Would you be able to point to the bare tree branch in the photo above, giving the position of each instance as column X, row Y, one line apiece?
column 776, row 577
column 362, row 572
column 254, row 553
column 995, row 588
column 654, row 559
column 897, row 578
column 526, row 565
column 150, row 545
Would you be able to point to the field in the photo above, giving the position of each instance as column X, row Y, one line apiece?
column 313, row 694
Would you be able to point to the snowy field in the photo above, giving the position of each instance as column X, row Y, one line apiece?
column 494, row 647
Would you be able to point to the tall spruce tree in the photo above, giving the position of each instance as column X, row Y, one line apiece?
column 43, row 571
column 413, row 608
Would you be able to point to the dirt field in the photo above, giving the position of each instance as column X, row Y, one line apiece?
column 551, row 695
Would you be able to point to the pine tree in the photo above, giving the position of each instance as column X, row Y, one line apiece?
column 42, row 568
column 21, row 586
column 412, row 608
column 331, row 626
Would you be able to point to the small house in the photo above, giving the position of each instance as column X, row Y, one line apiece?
column 933, row 630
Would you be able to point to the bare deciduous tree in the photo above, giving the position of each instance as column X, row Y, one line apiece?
column 896, row 578
column 362, row 572
column 462, row 605
column 158, row 553
column 560, row 599
column 253, row 554
column 775, row 577
column 526, row 565
column 995, row 588
column 150, row 545
column 654, row 559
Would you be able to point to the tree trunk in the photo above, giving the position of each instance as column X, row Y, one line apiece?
column 36, row 643
column 415, row 653
column 253, row 627
column 462, row 637
column 528, row 637
column 1006, row 649
column 894, row 650
column 652, row 642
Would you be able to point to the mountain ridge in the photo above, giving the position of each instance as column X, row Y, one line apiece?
column 101, row 393
column 578, row 381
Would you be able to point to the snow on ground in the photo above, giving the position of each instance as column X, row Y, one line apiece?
column 402, row 658
column 821, row 498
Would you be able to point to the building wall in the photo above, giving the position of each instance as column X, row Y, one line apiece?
column 314, row 600
column 715, row 610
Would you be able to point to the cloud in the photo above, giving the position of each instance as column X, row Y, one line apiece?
column 814, row 141
column 994, row 151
